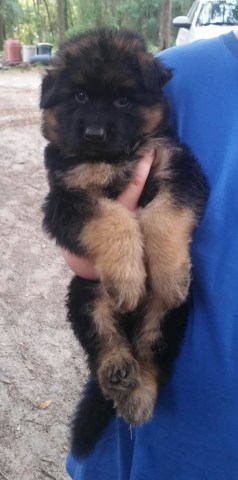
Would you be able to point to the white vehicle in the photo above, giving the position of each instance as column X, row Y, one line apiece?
column 207, row 19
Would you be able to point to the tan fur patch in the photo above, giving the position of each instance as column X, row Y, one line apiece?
column 167, row 230
column 50, row 126
column 113, row 240
column 104, row 319
column 163, row 154
column 150, row 331
column 115, row 353
column 137, row 407
column 90, row 174
column 153, row 118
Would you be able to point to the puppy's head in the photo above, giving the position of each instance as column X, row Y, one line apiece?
column 103, row 94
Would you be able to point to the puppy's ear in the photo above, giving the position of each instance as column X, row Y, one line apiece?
column 155, row 74
column 48, row 90
column 163, row 73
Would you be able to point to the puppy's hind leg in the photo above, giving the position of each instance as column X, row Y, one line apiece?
column 96, row 326
column 117, row 370
column 137, row 406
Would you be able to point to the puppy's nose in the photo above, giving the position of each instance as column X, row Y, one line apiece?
column 95, row 133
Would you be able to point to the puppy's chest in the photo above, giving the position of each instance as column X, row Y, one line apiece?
column 106, row 180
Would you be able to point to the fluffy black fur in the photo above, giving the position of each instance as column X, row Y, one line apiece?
column 94, row 411
column 94, row 102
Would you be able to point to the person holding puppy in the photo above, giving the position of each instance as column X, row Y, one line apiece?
column 194, row 432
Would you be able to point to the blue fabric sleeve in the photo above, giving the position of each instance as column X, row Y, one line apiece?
column 194, row 432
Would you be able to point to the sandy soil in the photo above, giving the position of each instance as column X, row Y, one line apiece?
column 39, row 358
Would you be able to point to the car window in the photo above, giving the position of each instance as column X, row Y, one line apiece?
column 218, row 13
column 192, row 11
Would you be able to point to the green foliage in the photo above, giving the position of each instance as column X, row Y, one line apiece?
column 10, row 11
column 140, row 15
column 179, row 7
column 36, row 21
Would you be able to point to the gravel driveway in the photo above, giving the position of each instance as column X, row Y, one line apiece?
column 42, row 369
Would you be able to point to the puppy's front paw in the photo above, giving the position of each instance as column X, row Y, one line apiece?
column 118, row 373
column 126, row 295
column 126, row 285
column 171, row 285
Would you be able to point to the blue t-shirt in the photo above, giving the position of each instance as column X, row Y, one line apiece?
column 194, row 432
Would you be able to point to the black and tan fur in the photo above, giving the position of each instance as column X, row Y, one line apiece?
column 103, row 108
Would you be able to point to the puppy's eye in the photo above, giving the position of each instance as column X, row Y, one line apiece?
column 121, row 102
column 81, row 97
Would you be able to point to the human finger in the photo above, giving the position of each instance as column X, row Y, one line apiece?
column 81, row 266
column 129, row 198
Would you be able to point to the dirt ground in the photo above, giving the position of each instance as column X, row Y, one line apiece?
column 40, row 360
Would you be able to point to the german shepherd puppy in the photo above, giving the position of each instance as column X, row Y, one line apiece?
column 103, row 107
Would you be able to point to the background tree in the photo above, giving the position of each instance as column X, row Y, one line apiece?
column 10, row 11
column 61, row 11
column 165, row 23
column 1, row 30
column 33, row 21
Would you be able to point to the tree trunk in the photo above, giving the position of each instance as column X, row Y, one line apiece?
column 49, row 18
column 165, row 24
column 66, row 21
column 61, row 20
column 1, row 32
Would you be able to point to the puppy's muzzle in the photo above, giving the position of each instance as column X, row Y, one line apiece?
column 95, row 134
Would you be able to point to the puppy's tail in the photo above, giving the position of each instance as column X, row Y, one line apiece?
column 93, row 414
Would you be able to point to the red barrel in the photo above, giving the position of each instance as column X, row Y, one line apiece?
column 12, row 49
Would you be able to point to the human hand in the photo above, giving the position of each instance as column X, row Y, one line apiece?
column 129, row 198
